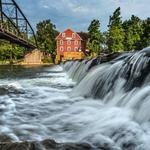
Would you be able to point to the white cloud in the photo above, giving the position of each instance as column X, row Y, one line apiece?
column 77, row 14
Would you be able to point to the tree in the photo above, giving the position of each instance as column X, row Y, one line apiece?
column 95, row 37
column 145, row 37
column 115, row 32
column 133, row 30
column 10, row 52
column 46, row 34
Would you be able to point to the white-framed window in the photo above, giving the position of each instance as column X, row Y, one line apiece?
column 63, row 34
column 73, row 35
column 61, row 48
column 58, row 42
column 75, row 42
column 68, row 49
column 76, row 49
column 68, row 42
column 61, row 42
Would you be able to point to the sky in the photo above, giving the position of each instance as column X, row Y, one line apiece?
column 77, row 14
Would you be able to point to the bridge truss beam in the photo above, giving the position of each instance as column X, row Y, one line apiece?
column 14, row 25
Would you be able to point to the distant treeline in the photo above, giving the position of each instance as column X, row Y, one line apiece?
column 128, row 35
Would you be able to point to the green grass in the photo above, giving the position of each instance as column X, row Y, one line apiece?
column 4, row 62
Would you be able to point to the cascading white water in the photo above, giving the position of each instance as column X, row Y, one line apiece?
column 123, row 87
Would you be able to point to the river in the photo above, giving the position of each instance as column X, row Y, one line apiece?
column 43, row 102
column 34, row 103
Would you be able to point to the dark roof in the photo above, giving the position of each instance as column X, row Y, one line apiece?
column 83, row 35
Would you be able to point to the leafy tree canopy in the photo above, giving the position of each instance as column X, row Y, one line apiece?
column 46, row 34
column 145, row 37
column 115, row 33
column 133, row 30
column 95, row 37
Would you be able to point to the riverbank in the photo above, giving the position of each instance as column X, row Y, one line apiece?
column 24, row 64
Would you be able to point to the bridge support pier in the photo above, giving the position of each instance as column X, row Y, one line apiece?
column 33, row 57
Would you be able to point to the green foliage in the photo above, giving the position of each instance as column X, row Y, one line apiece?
column 115, row 32
column 95, row 37
column 145, row 37
column 9, row 51
column 133, row 30
column 46, row 34
column 132, row 34
column 47, row 60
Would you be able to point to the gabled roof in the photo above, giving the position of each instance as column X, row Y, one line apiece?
column 66, row 31
column 58, row 36
column 70, row 30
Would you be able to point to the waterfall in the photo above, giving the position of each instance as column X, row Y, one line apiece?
column 122, row 82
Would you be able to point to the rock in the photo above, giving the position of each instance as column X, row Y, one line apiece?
column 44, row 145
column 103, row 59
column 49, row 144
column 16, row 146
column 52, row 145
column 7, row 90
column 5, row 138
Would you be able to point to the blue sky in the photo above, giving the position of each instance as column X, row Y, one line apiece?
column 77, row 14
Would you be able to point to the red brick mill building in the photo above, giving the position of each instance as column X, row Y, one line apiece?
column 71, row 45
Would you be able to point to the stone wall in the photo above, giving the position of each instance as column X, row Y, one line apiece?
column 33, row 57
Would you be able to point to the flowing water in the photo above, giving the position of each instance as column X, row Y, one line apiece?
column 106, row 105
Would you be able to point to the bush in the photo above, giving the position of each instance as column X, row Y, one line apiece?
column 47, row 60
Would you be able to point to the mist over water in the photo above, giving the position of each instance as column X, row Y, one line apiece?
column 105, row 105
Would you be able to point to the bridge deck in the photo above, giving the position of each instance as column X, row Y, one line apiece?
column 14, row 39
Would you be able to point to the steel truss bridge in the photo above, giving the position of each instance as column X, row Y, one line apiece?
column 14, row 26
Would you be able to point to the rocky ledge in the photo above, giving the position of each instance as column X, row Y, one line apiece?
column 44, row 145
column 7, row 144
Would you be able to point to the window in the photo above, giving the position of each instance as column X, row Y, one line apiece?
column 68, row 42
column 61, row 42
column 76, row 42
column 76, row 49
column 73, row 35
column 68, row 48
column 61, row 48
column 63, row 34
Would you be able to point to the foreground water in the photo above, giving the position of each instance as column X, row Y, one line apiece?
column 37, row 103
column 33, row 103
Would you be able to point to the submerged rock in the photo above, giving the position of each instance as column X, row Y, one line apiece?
column 7, row 90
